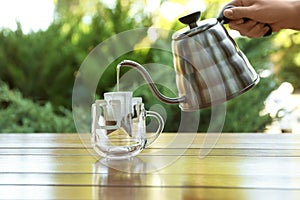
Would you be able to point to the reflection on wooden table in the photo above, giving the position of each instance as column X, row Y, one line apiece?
column 240, row 166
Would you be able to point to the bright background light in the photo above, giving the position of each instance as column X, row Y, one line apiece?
column 33, row 15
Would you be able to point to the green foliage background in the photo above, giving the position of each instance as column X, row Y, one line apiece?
column 38, row 69
column 21, row 115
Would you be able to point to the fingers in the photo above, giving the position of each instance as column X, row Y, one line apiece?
column 229, row 14
column 249, row 28
column 238, row 13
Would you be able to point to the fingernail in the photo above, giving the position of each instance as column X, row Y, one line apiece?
column 228, row 13
column 239, row 21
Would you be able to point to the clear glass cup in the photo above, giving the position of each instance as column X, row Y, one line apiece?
column 119, row 125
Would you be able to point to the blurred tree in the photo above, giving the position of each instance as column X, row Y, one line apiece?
column 44, row 64
column 19, row 114
column 287, row 58
column 40, row 64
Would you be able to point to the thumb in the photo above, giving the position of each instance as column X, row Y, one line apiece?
column 237, row 13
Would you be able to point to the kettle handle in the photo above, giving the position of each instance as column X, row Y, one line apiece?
column 221, row 18
column 224, row 20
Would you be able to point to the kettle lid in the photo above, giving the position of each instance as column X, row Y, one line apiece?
column 194, row 27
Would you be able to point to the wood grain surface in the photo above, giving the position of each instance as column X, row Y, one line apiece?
column 239, row 166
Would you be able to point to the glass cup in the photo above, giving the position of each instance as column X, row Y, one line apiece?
column 119, row 126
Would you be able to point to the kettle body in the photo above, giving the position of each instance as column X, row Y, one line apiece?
column 210, row 68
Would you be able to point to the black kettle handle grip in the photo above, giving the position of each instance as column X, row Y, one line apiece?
column 221, row 18
column 224, row 20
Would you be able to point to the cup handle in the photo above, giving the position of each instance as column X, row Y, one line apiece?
column 160, row 128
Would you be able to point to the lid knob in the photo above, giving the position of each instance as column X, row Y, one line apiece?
column 190, row 19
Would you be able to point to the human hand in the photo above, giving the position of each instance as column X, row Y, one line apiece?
column 250, row 28
column 278, row 14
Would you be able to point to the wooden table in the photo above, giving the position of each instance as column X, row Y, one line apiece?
column 240, row 166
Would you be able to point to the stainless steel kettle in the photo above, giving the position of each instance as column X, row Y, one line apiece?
column 210, row 68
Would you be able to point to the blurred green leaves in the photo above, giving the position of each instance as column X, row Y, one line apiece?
column 19, row 114
column 287, row 57
column 41, row 66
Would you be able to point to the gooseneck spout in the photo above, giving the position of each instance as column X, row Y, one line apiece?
column 148, row 79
